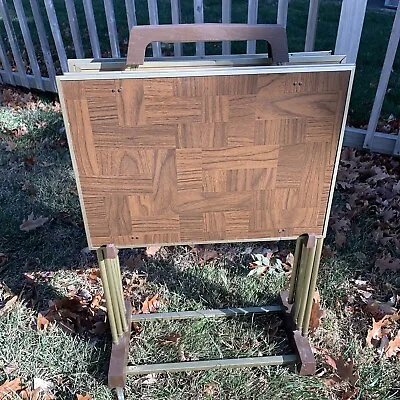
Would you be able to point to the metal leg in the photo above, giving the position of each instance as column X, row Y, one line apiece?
column 110, row 276
column 120, row 393
column 300, row 280
column 295, row 269
column 304, row 279
column 313, row 282
column 306, row 285
column 107, row 295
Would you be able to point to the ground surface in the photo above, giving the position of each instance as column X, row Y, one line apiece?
column 55, row 329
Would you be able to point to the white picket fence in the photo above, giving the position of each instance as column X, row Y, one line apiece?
column 27, row 24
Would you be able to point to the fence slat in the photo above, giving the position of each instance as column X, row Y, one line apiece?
column 112, row 28
column 199, row 19
column 350, row 27
column 30, row 49
column 75, row 32
column 153, row 19
column 281, row 17
column 6, row 64
column 226, row 19
column 55, row 30
column 383, row 84
column 252, row 12
column 131, row 13
column 175, row 19
column 13, row 42
column 312, row 23
column 92, row 28
column 44, row 43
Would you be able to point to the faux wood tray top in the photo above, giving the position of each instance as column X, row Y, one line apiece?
column 204, row 158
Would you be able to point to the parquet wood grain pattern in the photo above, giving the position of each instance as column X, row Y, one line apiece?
column 212, row 158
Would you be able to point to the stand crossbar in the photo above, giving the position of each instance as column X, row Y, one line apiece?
column 217, row 313
column 188, row 366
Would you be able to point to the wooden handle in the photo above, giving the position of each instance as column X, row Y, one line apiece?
column 141, row 36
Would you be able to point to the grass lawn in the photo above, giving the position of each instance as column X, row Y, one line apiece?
column 373, row 45
column 51, row 262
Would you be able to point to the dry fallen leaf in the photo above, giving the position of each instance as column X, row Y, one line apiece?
column 150, row 306
column 290, row 259
column 28, row 394
column 378, row 330
column 152, row 250
column 31, row 223
column 7, row 307
column 350, row 393
column 387, row 263
column 340, row 239
column 42, row 322
column 378, row 309
column 345, row 370
column 83, row 397
column 394, row 346
column 150, row 379
column 172, row 338
column 42, row 385
column 317, row 313
column 94, row 275
column 209, row 255
column 8, row 388
column 10, row 368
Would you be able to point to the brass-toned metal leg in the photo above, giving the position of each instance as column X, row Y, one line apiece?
column 300, row 280
column 112, row 283
column 107, row 294
column 306, row 285
column 295, row 269
column 313, row 282
column 119, row 278
column 119, row 293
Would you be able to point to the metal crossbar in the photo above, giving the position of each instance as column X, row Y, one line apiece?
column 211, row 364
column 217, row 313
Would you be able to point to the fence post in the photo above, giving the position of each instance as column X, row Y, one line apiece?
column 199, row 19
column 281, row 17
column 30, row 49
column 153, row 19
column 75, row 32
column 383, row 83
column 226, row 19
column 131, row 13
column 312, row 23
column 252, row 13
column 350, row 28
column 92, row 28
column 5, row 63
column 44, row 43
column 175, row 19
column 13, row 43
column 55, row 30
column 112, row 28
